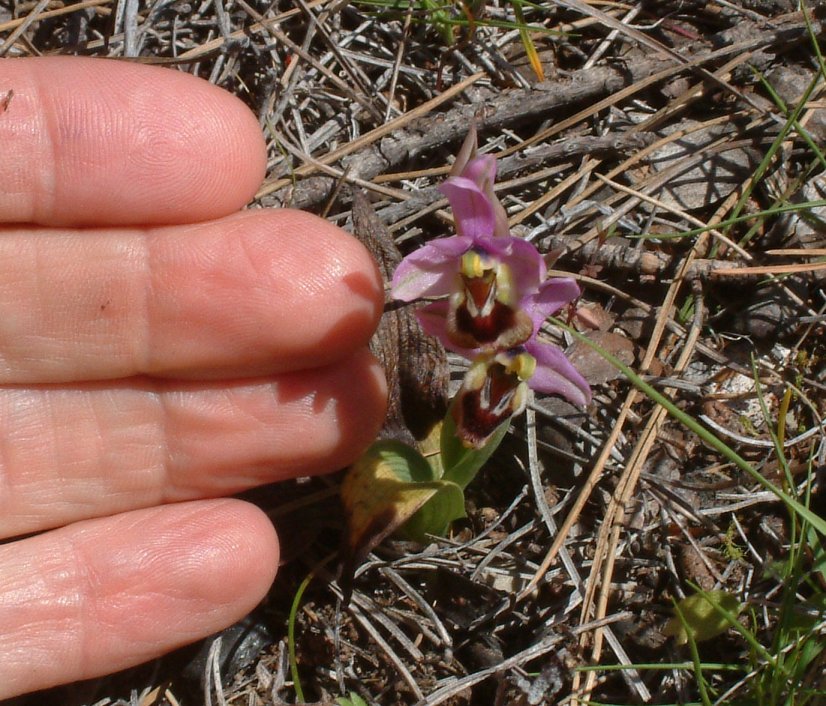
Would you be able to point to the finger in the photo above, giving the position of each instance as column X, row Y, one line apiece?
column 254, row 293
column 103, row 595
column 91, row 142
column 71, row 454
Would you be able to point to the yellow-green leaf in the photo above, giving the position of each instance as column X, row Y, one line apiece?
column 527, row 41
column 385, row 488
column 435, row 516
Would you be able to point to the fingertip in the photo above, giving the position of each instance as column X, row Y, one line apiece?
column 363, row 412
column 99, row 142
column 264, row 290
column 211, row 558
column 232, row 538
column 335, row 413
column 101, row 595
column 346, row 275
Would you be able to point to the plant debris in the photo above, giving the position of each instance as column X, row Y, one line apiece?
column 669, row 161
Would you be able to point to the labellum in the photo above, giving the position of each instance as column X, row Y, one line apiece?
column 494, row 389
column 483, row 311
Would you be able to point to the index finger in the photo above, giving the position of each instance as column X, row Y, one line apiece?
column 97, row 142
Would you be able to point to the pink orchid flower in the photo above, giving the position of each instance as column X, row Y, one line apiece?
column 492, row 297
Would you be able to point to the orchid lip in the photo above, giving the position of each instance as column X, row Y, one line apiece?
column 480, row 296
column 490, row 394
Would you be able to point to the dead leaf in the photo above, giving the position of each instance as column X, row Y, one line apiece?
column 591, row 365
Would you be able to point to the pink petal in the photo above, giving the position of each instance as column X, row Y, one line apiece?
column 431, row 270
column 501, row 228
column 551, row 297
column 472, row 210
column 482, row 170
column 555, row 375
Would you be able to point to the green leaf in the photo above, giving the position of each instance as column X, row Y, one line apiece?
column 440, row 19
column 808, row 652
column 703, row 615
column 460, row 463
column 435, row 516
column 429, row 447
column 353, row 700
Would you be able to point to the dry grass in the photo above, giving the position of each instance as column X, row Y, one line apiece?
column 652, row 120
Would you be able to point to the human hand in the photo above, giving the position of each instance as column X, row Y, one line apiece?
column 157, row 348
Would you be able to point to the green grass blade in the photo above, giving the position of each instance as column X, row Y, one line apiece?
column 299, row 692
column 785, row 208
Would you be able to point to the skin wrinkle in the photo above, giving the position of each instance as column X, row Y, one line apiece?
column 5, row 481
column 87, row 581
column 157, row 303
column 45, row 607
column 141, row 441
column 305, row 414
column 174, row 458
column 76, row 587
column 142, row 343
column 10, row 316
column 178, row 440
column 23, row 431
column 100, row 445
column 211, row 422
column 58, row 495
column 133, row 423
column 43, row 195
column 49, row 320
column 175, row 309
column 153, row 494
column 108, row 593
column 13, row 407
column 253, row 262
column 69, row 461
column 119, row 587
column 84, row 458
column 274, row 282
